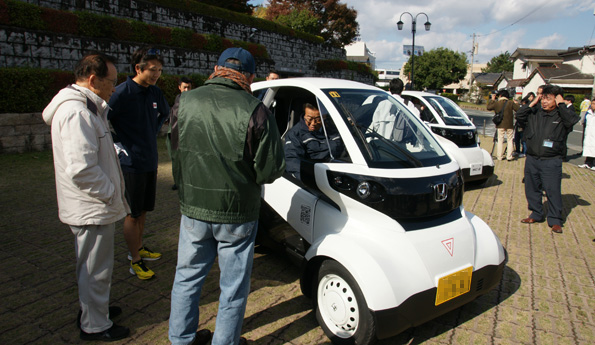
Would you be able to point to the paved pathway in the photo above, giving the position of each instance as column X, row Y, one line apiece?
column 547, row 295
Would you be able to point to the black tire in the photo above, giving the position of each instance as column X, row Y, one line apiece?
column 341, row 309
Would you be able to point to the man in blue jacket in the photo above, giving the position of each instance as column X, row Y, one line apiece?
column 138, row 111
column 309, row 140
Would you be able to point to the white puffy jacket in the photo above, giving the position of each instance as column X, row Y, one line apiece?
column 89, row 181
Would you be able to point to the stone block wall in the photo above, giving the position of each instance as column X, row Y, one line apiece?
column 23, row 132
column 291, row 56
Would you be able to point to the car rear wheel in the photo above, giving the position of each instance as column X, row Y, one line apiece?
column 341, row 309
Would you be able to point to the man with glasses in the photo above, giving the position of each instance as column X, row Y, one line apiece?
column 90, row 188
column 138, row 111
column 547, row 121
column 307, row 140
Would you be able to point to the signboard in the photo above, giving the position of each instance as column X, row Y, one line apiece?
column 408, row 49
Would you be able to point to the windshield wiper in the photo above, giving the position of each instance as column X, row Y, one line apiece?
column 354, row 124
column 416, row 162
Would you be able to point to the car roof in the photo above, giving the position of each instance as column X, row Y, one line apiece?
column 419, row 93
column 315, row 83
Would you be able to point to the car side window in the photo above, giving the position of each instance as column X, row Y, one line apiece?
column 312, row 135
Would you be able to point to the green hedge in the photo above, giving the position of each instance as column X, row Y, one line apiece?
column 451, row 96
column 28, row 16
column 332, row 65
column 24, row 90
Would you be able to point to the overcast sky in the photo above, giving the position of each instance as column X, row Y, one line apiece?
column 500, row 26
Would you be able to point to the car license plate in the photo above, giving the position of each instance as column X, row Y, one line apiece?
column 454, row 285
column 475, row 169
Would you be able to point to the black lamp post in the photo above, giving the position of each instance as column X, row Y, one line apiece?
column 413, row 22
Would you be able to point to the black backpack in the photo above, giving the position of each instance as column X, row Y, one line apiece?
column 499, row 116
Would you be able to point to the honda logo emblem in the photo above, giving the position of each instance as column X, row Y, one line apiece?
column 440, row 192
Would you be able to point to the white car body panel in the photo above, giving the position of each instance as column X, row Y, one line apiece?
column 474, row 159
column 391, row 262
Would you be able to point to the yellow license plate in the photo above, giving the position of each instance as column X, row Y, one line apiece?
column 453, row 285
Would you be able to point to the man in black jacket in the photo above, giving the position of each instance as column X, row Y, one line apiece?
column 546, row 129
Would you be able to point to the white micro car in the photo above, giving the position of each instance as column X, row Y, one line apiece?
column 446, row 119
column 379, row 230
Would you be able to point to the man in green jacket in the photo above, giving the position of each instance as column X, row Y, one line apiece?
column 225, row 145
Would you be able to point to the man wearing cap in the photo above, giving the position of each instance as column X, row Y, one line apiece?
column 225, row 145
column 138, row 111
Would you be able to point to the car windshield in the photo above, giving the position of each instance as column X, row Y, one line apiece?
column 385, row 130
column 450, row 113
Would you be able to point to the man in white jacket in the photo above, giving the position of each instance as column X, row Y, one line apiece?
column 90, row 188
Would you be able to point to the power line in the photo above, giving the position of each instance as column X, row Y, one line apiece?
column 525, row 16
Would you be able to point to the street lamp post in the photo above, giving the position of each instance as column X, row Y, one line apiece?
column 413, row 22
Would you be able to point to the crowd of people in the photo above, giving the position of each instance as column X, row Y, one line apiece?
column 103, row 176
column 104, row 141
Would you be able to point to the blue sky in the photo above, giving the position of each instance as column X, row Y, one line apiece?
column 500, row 25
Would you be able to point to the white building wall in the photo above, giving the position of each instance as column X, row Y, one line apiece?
column 533, row 84
column 517, row 72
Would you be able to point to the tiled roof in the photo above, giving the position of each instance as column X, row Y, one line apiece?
column 486, row 78
column 537, row 53
column 562, row 72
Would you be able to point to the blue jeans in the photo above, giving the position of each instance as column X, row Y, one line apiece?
column 200, row 242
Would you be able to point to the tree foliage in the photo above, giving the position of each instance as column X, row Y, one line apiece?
column 500, row 63
column 333, row 21
column 436, row 68
column 302, row 20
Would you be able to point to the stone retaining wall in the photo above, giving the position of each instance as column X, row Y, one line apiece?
column 23, row 132
column 39, row 49
column 290, row 55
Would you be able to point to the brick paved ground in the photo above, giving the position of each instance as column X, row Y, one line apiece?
column 547, row 295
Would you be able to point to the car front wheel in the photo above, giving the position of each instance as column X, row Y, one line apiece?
column 341, row 309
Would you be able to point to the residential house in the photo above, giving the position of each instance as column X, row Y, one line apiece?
column 571, row 69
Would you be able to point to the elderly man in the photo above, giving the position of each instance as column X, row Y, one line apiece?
column 546, row 129
column 308, row 140
column 90, row 188
column 225, row 146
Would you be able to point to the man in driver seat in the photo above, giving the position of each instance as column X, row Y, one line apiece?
column 307, row 140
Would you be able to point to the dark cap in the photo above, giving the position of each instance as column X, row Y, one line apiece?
column 246, row 59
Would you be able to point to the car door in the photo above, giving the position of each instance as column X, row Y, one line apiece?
column 292, row 199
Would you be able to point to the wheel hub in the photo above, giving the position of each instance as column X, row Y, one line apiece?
column 338, row 305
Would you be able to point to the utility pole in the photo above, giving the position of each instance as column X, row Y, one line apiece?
column 473, row 51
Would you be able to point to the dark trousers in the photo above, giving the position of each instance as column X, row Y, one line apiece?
column 544, row 175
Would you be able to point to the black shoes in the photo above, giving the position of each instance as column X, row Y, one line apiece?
column 202, row 337
column 113, row 312
column 111, row 334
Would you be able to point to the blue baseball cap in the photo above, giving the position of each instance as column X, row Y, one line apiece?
column 246, row 59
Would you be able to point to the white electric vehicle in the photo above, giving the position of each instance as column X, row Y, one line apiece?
column 379, row 229
column 446, row 119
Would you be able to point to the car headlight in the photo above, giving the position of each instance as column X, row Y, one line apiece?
column 357, row 187
column 363, row 190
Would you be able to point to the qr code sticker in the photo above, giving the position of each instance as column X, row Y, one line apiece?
column 305, row 214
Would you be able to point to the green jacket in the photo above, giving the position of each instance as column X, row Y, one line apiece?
column 224, row 145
